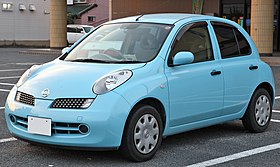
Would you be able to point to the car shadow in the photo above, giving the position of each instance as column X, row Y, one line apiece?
column 170, row 144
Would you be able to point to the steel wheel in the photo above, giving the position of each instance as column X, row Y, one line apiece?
column 258, row 114
column 146, row 133
column 262, row 110
column 142, row 134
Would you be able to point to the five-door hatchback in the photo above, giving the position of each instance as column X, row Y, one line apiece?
column 130, row 82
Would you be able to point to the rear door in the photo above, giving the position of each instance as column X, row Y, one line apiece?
column 239, row 66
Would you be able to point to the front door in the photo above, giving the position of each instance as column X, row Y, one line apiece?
column 196, row 89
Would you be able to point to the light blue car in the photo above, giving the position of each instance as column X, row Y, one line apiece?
column 133, row 81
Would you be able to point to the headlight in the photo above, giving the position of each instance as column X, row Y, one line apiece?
column 111, row 81
column 27, row 74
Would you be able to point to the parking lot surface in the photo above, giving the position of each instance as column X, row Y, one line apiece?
column 226, row 144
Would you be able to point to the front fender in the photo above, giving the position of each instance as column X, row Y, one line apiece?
column 148, row 82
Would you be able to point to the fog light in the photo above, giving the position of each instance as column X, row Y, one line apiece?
column 83, row 129
column 13, row 119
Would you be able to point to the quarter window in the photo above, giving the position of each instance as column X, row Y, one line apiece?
column 194, row 38
column 243, row 44
column 231, row 42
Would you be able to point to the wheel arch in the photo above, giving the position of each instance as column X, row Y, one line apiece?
column 267, row 86
column 157, row 104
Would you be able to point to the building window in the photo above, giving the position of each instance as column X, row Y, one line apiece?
column 7, row 6
column 80, row 1
column 91, row 18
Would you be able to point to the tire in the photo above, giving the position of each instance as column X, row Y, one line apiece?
column 142, row 135
column 258, row 114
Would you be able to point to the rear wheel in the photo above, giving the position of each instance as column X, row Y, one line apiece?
column 258, row 114
column 143, row 134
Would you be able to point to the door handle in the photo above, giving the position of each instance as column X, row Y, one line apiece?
column 252, row 67
column 214, row 72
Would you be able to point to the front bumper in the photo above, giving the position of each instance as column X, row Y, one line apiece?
column 105, row 118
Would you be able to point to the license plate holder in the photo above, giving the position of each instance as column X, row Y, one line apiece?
column 40, row 126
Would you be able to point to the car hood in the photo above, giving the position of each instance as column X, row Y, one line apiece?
column 69, row 79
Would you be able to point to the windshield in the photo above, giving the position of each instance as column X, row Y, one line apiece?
column 121, row 43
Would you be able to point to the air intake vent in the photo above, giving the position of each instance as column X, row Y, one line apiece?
column 25, row 98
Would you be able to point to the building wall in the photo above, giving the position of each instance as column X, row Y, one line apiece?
column 25, row 27
column 101, row 12
column 123, row 8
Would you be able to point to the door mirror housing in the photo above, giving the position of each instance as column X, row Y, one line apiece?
column 64, row 50
column 182, row 58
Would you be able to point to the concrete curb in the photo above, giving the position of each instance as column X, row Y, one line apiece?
column 41, row 52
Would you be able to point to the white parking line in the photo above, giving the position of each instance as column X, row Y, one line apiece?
column 7, row 140
column 7, row 84
column 12, row 70
column 275, row 111
column 10, row 77
column 4, row 90
column 237, row 155
column 277, row 97
column 2, row 108
column 275, row 120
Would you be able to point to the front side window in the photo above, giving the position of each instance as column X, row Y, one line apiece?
column 79, row 30
column 194, row 38
column 71, row 29
column 121, row 43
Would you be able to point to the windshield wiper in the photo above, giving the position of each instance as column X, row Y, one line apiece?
column 104, row 61
column 91, row 60
column 132, row 61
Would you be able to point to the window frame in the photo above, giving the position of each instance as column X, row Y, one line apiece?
column 233, row 29
column 92, row 18
column 181, row 31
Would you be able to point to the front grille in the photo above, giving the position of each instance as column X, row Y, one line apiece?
column 25, row 98
column 57, row 127
column 71, row 103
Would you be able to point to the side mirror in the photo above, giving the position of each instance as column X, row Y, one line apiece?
column 182, row 58
column 64, row 50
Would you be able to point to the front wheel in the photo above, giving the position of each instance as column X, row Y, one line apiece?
column 143, row 134
column 258, row 114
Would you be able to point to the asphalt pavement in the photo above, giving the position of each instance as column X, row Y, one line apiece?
column 226, row 144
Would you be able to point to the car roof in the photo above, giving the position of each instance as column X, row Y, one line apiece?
column 163, row 18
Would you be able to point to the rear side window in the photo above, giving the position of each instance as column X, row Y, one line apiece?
column 244, row 46
column 231, row 42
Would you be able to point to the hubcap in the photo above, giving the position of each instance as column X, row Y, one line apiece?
column 146, row 134
column 262, row 110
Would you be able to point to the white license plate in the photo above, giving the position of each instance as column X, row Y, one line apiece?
column 41, row 126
